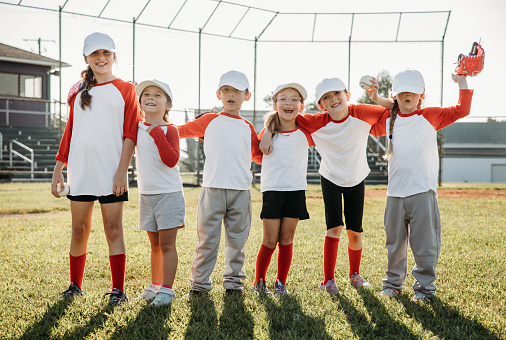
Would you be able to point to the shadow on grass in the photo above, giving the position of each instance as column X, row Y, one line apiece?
column 384, row 325
column 235, row 321
column 42, row 328
column 445, row 321
column 95, row 322
column 150, row 323
column 203, row 322
column 286, row 320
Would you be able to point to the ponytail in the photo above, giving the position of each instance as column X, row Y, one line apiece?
column 393, row 114
column 272, row 123
column 89, row 81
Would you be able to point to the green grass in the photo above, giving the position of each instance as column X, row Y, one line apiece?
column 470, row 302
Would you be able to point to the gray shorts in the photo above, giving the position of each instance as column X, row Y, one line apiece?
column 161, row 211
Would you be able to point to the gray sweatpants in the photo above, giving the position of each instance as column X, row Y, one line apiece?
column 233, row 207
column 414, row 219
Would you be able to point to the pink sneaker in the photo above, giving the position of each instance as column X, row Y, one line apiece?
column 358, row 281
column 330, row 287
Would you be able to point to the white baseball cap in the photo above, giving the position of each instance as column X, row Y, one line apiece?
column 327, row 85
column 98, row 41
column 408, row 81
column 295, row 86
column 160, row 84
column 235, row 79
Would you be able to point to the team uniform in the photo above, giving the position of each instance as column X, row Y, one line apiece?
column 161, row 200
column 225, row 196
column 92, row 143
column 343, row 169
column 412, row 192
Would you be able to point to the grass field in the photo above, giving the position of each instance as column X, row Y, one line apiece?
column 34, row 243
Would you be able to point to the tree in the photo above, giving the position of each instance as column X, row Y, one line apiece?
column 385, row 84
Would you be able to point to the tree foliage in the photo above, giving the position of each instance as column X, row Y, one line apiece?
column 385, row 84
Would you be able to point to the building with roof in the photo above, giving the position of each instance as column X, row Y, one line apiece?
column 25, row 87
column 474, row 152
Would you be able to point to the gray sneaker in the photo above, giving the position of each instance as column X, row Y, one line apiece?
column 163, row 297
column 280, row 288
column 261, row 288
column 330, row 287
column 358, row 281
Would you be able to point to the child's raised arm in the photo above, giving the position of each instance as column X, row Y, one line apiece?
column 461, row 80
column 373, row 94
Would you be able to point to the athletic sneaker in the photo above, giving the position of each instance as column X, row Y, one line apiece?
column 280, row 288
column 148, row 294
column 358, row 281
column 117, row 297
column 261, row 288
column 72, row 291
column 330, row 287
column 419, row 296
column 390, row 292
column 164, row 297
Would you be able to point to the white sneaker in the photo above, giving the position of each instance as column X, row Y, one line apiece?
column 164, row 297
column 148, row 294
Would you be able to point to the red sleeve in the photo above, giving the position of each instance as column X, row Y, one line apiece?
column 313, row 122
column 441, row 117
column 132, row 112
column 367, row 113
column 167, row 144
column 254, row 139
column 197, row 127
column 308, row 136
column 63, row 151
column 255, row 151
column 380, row 128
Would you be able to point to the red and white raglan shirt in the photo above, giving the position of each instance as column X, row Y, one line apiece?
column 229, row 144
column 92, row 143
column 414, row 163
column 285, row 169
column 343, row 143
column 157, row 157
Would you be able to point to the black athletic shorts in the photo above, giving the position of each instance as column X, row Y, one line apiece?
column 101, row 199
column 353, row 197
column 279, row 204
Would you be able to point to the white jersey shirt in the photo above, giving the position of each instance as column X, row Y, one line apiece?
column 157, row 156
column 285, row 169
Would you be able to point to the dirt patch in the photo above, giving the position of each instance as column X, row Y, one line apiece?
column 464, row 193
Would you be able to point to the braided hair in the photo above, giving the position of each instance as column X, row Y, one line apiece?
column 89, row 81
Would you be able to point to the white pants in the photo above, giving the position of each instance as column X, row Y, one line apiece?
column 233, row 207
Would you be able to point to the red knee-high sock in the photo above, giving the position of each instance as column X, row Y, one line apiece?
column 285, row 254
column 354, row 256
column 118, row 263
column 329, row 257
column 77, row 264
column 263, row 261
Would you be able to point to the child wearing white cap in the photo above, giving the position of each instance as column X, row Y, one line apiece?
column 340, row 134
column 283, row 184
column 96, row 147
column 225, row 196
column 412, row 181
column 161, row 199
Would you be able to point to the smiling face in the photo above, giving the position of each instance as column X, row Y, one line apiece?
column 232, row 99
column 335, row 103
column 154, row 103
column 288, row 104
column 408, row 102
column 101, row 62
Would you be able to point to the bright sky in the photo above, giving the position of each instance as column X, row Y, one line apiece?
column 173, row 56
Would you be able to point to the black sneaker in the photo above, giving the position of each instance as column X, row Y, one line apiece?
column 117, row 297
column 71, row 292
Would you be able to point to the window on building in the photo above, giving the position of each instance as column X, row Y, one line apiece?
column 20, row 85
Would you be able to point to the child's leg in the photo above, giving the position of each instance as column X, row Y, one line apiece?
column 112, row 216
column 81, row 228
column 285, row 253
column 169, row 255
column 156, row 259
column 397, row 233
column 425, row 240
column 237, row 223
column 354, row 251
column 210, row 211
column 353, row 199
column 270, row 237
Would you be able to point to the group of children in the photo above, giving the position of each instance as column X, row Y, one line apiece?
column 109, row 117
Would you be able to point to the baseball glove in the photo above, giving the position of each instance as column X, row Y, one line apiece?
column 472, row 64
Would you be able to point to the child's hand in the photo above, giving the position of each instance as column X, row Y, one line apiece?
column 57, row 179
column 266, row 143
column 373, row 90
column 461, row 80
column 120, row 183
